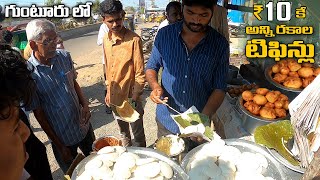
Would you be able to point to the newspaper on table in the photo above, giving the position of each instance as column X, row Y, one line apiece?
column 304, row 111
column 191, row 123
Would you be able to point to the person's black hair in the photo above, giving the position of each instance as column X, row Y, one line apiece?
column 175, row 4
column 110, row 7
column 17, row 85
column 6, row 36
column 205, row 3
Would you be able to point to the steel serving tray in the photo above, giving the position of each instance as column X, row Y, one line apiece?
column 286, row 163
column 179, row 173
column 274, row 169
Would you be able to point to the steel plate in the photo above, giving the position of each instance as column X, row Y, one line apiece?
column 274, row 169
column 283, row 161
column 179, row 173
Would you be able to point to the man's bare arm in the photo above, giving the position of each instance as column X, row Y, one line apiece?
column 214, row 102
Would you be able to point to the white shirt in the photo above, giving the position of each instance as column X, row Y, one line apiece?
column 102, row 31
column 161, row 25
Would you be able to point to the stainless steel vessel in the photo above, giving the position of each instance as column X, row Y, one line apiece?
column 250, row 122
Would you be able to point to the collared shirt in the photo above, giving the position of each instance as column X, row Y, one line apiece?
column 188, row 78
column 57, row 96
column 124, row 66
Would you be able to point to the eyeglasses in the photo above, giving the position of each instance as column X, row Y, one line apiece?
column 49, row 41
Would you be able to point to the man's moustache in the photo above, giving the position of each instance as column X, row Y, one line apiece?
column 193, row 24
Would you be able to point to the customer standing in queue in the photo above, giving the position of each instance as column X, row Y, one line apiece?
column 59, row 104
column 124, row 69
column 195, row 60
column 103, row 30
column 173, row 14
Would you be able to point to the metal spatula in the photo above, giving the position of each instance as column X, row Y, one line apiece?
column 183, row 116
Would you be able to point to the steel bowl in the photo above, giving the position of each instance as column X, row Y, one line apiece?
column 104, row 141
column 171, row 136
column 268, row 75
column 274, row 169
column 250, row 121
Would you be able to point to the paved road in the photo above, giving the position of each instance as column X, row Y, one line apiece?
column 87, row 57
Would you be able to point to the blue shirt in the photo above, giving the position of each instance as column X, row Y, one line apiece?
column 56, row 95
column 188, row 78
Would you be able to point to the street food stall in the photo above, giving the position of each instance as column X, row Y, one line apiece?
column 251, row 138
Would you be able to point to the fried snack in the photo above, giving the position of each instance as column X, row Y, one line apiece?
column 286, row 105
column 269, row 105
column 277, row 92
column 307, row 81
column 272, row 96
column 260, row 99
column 316, row 71
column 246, row 104
column 284, row 70
column 247, row 95
column 279, row 78
column 241, row 90
column 233, row 95
column 293, row 74
column 293, row 82
column 276, row 68
column 248, row 86
column 231, row 91
column 293, row 65
column 262, row 91
column 307, row 65
column 236, row 91
column 280, row 112
column 268, row 113
column 283, row 63
column 283, row 97
column 253, row 108
column 305, row 72
column 278, row 104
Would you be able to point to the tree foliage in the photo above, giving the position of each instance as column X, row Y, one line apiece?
column 96, row 7
column 52, row 2
column 57, row 21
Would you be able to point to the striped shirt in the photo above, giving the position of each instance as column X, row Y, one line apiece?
column 188, row 78
column 56, row 95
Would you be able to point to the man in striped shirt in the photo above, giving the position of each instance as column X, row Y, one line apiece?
column 59, row 104
column 195, row 60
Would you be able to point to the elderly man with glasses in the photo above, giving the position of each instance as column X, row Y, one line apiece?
column 59, row 105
